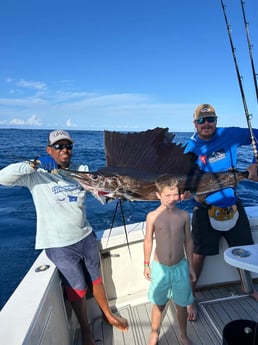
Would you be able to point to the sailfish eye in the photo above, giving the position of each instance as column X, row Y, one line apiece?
column 95, row 177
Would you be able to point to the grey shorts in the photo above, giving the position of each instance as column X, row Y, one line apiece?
column 79, row 266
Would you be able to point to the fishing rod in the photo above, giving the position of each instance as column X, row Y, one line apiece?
column 248, row 116
column 250, row 49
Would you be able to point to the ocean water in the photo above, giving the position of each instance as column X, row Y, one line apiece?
column 17, row 213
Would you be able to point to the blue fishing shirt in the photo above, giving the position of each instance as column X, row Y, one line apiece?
column 220, row 154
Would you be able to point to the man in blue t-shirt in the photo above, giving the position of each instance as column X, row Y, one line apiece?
column 220, row 213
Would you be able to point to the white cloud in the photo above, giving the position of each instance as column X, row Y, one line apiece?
column 9, row 80
column 70, row 124
column 34, row 121
column 31, row 84
column 70, row 95
column 91, row 110
column 31, row 121
column 18, row 122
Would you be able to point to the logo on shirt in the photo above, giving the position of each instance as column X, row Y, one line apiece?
column 72, row 198
column 216, row 156
column 203, row 159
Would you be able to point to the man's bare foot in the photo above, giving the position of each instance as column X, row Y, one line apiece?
column 118, row 322
column 186, row 341
column 192, row 312
column 154, row 337
column 254, row 295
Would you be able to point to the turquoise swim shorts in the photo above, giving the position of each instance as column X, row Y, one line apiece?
column 170, row 282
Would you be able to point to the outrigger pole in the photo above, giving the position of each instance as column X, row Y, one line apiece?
column 248, row 116
column 250, row 49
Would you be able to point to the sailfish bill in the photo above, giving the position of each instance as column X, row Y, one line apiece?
column 135, row 160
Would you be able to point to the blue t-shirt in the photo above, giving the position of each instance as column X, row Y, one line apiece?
column 220, row 154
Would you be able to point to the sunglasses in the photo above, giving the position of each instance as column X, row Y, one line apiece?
column 209, row 119
column 62, row 146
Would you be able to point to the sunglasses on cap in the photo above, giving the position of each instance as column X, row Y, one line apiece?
column 209, row 119
column 62, row 146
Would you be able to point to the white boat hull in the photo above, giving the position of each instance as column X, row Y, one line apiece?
column 36, row 313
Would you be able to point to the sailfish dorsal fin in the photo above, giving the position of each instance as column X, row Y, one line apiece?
column 151, row 151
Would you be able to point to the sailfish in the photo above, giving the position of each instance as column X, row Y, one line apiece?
column 134, row 160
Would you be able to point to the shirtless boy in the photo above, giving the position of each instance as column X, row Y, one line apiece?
column 172, row 258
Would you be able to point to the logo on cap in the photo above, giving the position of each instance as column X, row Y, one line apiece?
column 205, row 110
column 59, row 135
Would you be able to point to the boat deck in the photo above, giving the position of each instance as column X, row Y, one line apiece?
column 217, row 306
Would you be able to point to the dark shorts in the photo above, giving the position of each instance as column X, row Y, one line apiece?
column 206, row 239
column 79, row 266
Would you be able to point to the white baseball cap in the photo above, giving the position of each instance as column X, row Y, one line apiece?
column 57, row 135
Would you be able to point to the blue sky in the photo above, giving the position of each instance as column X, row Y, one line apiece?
column 123, row 64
